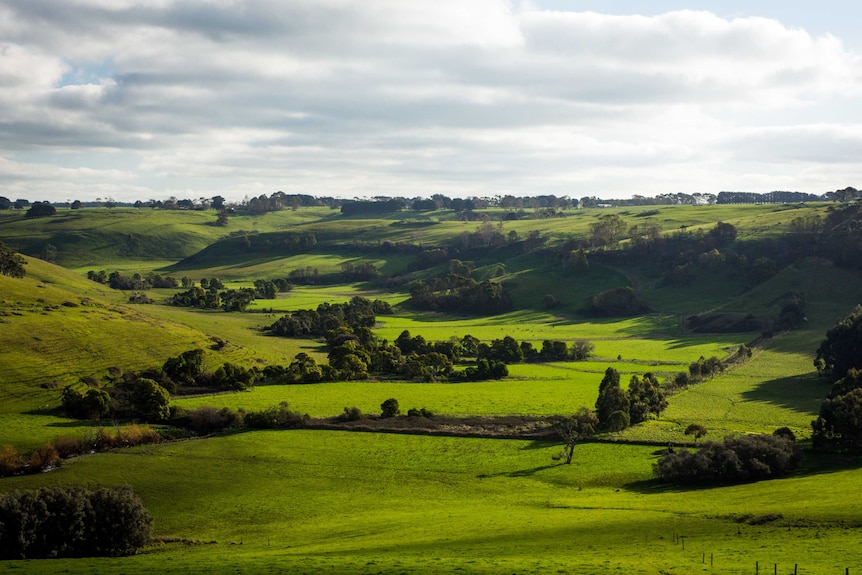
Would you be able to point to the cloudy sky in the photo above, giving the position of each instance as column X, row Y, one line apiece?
column 140, row 99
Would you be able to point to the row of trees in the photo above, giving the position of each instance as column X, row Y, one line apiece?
column 137, row 282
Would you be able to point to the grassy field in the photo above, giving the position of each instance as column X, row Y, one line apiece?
column 339, row 502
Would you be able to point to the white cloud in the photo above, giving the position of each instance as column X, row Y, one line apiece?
column 385, row 96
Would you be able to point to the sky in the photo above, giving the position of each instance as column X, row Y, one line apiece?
column 148, row 99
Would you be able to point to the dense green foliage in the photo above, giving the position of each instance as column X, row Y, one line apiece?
column 72, row 522
column 842, row 348
column 735, row 460
column 11, row 264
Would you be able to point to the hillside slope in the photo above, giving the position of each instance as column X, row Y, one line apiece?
column 58, row 327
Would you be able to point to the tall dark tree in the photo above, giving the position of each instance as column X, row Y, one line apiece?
column 612, row 405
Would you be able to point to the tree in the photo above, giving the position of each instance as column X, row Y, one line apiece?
column 607, row 231
column 582, row 349
column 842, row 348
column 11, row 264
column 611, row 378
column 612, row 408
column 185, row 368
column 149, row 400
column 389, row 408
column 574, row 428
column 695, row 429
column 645, row 398
column 221, row 219
column 93, row 403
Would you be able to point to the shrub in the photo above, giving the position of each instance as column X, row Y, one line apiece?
column 389, row 408
column 69, row 446
column 208, row 419
column 276, row 417
column 350, row 414
column 44, row 458
column 10, row 461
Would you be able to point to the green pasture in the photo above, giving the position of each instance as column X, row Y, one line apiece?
column 339, row 502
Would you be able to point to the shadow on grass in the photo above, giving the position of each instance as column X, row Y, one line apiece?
column 800, row 393
column 520, row 472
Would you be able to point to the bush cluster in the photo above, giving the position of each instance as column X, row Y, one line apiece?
column 735, row 460
column 72, row 522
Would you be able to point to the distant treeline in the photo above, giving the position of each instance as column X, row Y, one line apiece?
column 381, row 204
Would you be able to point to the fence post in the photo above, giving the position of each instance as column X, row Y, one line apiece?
column 757, row 568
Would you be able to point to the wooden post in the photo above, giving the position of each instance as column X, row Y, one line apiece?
column 757, row 568
column 710, row 559
column 775, row 569
column 703, row 558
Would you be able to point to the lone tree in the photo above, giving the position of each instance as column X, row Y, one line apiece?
column 571, row 429
column 697, row 430
column 11, row 264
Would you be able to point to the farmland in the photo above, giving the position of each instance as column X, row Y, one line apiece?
column 318, row 501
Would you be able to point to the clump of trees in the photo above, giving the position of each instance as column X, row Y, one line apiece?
column 456, row 293
column 735, row 460
column 358, row 312
column 616, row 408
column 41, row 210
column 620, row 301
column 11, row 263
column 146, row 395
column 72, row 522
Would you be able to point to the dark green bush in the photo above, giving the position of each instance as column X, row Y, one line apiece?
column 735, row 460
